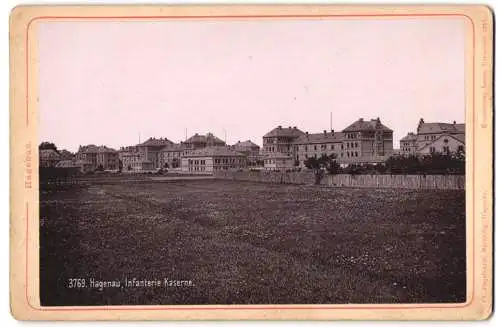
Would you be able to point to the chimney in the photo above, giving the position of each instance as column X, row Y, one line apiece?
column 279, row 127
column 289, row 127
column 333, row 132
column 294, row 127
column 361, row 119
column 454, row 122
column 307, row 133
column 324, row 132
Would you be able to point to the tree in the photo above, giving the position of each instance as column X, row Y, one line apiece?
column 48, row 146
column 322, row 164
column 435, row 163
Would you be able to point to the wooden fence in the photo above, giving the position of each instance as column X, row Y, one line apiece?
column 434, row 182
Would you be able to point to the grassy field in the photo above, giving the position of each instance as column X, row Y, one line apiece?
column 249, row 243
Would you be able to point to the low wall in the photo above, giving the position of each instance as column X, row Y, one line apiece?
column 435, row 182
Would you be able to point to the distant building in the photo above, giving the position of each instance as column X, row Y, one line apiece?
column 444, row 144
column 66, row 155
column 278, row 162
column 98, row 157
column 249, row 149
column 145, row 156
column 434, row 138
column 202, row 141
column 149, row 151
column 49, row 157
column 317, row 144
column 364, row 141
column 212, row 159
column 170, row 156
column 280, row 140
column 408, row 144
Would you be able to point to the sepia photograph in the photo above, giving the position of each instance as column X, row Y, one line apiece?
column 253, row 160
column 235, row 162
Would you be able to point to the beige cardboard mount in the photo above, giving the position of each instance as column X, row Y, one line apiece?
column 24, row 260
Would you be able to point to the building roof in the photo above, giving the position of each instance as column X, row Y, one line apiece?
column 434, row 128
column 152, row 141
column 460, row 138
column 245, row 144
column 66, row 155
column 174, row 147
column 325, row 137
column 214, row 151
column 209, row 138
column 46, row 154
column 288, row 132
column 366, row 125
column 91, row 148
column 409, row 137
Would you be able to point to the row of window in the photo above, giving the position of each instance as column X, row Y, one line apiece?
column 446, row 149
column 228, row 160
column 274, row 161
column 196, row 162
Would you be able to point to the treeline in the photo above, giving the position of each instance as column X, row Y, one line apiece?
column 435, row 164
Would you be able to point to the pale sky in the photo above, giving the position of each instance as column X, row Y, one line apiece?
column 106, row 82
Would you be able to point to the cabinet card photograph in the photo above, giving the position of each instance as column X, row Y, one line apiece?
column 251, row 162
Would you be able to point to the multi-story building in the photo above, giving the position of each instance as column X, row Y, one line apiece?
column 280, row 140
column 249, row 149
column 316, row 145
column 212, row 159
column 49, row 157
column 98, row 157
column 170, row 156
column 145, row 156
column 149, row 150
column 434, row 138
column 201, row 141
column 364, row 141
column 408, row 144
column 278, row 162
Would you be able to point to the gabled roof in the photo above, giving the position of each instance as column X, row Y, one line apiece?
column 432, row 128
column 460, row 138
column 152, row 141
column 91, row 148
column 288, row 132
column 325, row 137
column 49, row 154
column 66, row 155
column 245, row 144
column 209, row 138
column 212, row 151
column 366, row 125
column 409, row 137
